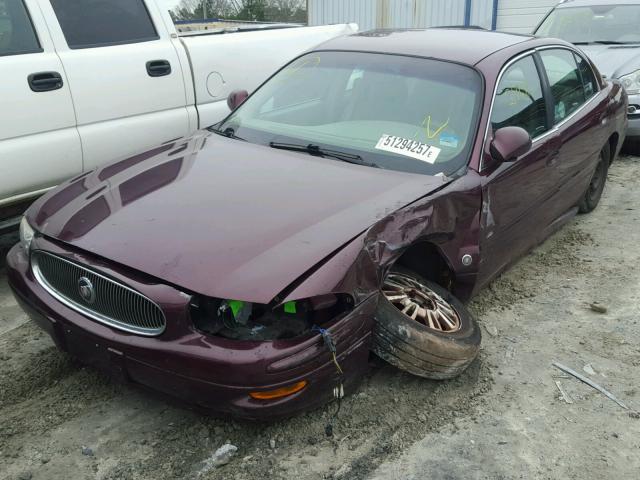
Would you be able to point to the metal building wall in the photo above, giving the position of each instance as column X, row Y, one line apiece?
column 522, row 16
column 323, row 12
column 370, row 14
column 421, row 13
column 482, row 13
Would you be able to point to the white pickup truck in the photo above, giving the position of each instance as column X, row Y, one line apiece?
column 89, row 81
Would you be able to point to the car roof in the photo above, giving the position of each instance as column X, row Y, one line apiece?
column 468, row 46
column 590, row 3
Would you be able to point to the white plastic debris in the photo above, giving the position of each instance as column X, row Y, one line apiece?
column 221, row 457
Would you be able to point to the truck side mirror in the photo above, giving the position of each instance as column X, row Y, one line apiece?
column 236, row 98
column 509, row 143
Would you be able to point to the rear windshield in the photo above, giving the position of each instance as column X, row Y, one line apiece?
column 401, row 113
column 594, row 24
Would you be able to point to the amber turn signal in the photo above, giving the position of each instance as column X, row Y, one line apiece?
column 279, row 392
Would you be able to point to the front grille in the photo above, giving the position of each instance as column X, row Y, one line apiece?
column 96, row 296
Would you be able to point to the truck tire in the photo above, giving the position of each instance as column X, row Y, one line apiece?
column 442, row 339
column 592, row 196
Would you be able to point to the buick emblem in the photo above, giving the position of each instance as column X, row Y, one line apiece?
column 87, row 292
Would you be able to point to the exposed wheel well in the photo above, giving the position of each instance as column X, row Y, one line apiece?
column 613, row 145
column 426, row 259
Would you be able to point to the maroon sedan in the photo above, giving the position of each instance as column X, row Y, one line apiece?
column 352, row 203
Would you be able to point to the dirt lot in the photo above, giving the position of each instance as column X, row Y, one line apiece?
column 502, row 419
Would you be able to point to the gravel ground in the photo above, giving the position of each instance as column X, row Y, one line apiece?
column 503, row 419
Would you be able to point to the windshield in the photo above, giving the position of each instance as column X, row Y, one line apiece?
column 395, row 112
column 603, row 23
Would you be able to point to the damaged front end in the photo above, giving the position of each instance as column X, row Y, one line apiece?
column 435, row 231
column 240, row 320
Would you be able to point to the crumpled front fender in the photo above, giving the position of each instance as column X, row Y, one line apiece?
column 448, row 218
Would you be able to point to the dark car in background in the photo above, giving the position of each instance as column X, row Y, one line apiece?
column 351, row 203
column 608, row 31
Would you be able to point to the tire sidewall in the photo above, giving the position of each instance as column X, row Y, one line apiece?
column 590, row 200
column 467, row 339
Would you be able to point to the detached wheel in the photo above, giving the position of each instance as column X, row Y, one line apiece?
column 594, row 191
column 423, row 329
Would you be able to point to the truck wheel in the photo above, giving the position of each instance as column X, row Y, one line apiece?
column 423, row 329
column 596, row 186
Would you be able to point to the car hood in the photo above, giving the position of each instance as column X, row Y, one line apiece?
column 613, row 61
column 221, row 217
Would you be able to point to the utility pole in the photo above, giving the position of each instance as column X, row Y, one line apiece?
column 204, row 9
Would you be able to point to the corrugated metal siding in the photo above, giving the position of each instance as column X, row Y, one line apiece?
column 324, row 12
column 370, row 14
column 522, row 16
column 421, row 13
column 481, row 13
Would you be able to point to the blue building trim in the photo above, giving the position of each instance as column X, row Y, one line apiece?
column 494, row 15
column 467, row 13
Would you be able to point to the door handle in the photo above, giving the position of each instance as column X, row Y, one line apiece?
column 45, row 81
column 158, row 68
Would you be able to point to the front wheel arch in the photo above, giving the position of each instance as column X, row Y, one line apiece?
column 418, row 349
column 427, row 260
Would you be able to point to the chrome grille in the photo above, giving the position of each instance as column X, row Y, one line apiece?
column 104, row 300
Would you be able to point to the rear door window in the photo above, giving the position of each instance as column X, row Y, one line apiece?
column 100, row 23
column 17, row 35
column 588, row 77
column 565, row 81
column 519, row 101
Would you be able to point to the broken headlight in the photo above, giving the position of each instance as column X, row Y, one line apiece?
column 240, row 320
column 26, row 234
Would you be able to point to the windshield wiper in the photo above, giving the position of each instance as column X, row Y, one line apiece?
column 317, row 151
column 227, row 132
column 602, row 42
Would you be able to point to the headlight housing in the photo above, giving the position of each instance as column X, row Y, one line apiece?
column 631, row 82
column 26, row 234
column 237, row 320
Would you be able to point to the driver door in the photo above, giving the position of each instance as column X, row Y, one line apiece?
column 516, row 193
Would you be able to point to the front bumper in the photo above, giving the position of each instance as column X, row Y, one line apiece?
column 633, row 130
column 210, row 372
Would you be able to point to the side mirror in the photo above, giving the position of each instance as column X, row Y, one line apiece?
column 509, row 143
column 236, row 98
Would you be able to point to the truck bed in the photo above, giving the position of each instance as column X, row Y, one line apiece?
column 221, row 63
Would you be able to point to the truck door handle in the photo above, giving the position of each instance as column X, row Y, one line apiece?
column 158, row 68
column 45, row 81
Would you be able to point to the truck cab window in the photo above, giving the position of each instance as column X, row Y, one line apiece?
column 100, row 23
column 17, row 35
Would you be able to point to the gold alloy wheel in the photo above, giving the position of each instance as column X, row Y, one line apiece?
column 420, row 303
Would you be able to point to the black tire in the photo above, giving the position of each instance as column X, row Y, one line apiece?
column 631, row 146
column 592, row 196
column 418, row 349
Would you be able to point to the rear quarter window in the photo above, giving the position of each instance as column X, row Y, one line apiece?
column 565, row 82
column 100, row 23
column 588, row 78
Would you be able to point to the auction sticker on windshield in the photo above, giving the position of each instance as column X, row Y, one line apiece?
column 408, row 148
